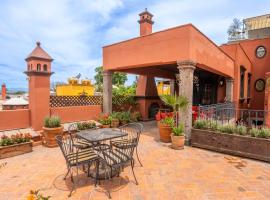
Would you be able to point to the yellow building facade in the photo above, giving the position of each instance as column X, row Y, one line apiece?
column 74, row 88
column 163, row 87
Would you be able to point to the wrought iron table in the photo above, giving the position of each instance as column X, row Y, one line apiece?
column 96, row 137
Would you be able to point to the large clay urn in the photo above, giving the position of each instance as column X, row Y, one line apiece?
column 178, row 141
column 165, row 132
column 50, row 134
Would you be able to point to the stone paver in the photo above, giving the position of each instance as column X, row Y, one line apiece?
column 191, row 173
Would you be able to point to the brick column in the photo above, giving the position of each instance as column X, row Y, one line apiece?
column 267, row 99
column 186, row 71
column 107, row 91
column 229, row 89
column 172, row 84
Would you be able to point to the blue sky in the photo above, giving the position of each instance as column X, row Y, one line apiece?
column 73, row 32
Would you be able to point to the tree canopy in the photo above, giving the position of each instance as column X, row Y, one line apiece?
column 118, row 78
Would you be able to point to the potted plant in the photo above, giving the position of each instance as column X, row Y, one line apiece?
column 125, row 117
column 105, row 120
column 52, row 127
column 165, row 129
column 178, row 137
column 115, row 119
column 178, row 103
column 15, row 145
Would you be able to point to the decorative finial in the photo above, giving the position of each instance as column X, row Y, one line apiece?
column 38, row 43
column 145, row 9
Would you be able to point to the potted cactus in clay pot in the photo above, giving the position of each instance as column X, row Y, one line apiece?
column 52, row 127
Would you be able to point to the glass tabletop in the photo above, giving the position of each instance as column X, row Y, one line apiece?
column 102, row 134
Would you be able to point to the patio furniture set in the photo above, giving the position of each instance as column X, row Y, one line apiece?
column 102, row 153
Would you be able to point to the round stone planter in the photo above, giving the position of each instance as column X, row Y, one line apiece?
column 178, row 142
column 165, row 132
column 50, row 134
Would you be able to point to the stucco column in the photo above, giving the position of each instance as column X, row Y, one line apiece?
column 107, row 91
column 172, row 84
column 186, row 71
column 229, row 89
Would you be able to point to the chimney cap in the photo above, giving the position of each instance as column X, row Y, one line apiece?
column 146, row 12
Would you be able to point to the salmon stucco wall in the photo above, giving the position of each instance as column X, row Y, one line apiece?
column 260, row 67
column 77, row 113
column 14, row 119
column 241, row 60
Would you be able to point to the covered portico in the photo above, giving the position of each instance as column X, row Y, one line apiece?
column 176, row 54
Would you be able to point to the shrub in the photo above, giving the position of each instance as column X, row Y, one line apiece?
column 240, row 129
column 85, row 125
column 178, row 131
column 125, row 117
column 260, row 133
column 105, row 119
column 52, row 122
column 169, row 121
column 200, row 124
column 228, row 128
column 15, row 139
column 212, row 124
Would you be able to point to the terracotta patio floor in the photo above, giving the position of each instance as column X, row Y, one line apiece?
column 167, row 174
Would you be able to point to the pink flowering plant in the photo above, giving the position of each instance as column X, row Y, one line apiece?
column 15, row 139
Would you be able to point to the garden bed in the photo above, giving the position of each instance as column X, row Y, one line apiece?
column 245, row 146
column 15, row 149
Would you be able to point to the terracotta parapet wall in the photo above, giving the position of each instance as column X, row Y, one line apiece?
column 77, row 113
column 14, row 119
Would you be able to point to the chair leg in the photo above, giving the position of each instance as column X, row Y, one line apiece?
column 138, row 157
column 67, row 173
column 73, row 184
column 97, row 172
column 132, row 166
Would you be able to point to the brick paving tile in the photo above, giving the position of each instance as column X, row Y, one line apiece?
column 189, row 174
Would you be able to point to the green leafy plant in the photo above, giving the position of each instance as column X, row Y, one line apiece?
column 125, row 117
column 169, row 121
column 226, row 128
column 178, row 130
column 200, row 124
column 260, row 133
column 15, row 139
column 52, row 122
column 240, row 129
column 105, row 119
column 85, row 125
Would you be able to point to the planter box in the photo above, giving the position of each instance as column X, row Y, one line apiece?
column 14, row 150
column 249, row 147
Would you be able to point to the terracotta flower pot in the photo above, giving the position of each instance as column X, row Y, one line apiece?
column 106, row 125
column 165, row 132
column 178, row 142
column 50, row 134
column 115, row 123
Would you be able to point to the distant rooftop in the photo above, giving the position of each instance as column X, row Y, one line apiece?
column 258, row 22
column 15, row 102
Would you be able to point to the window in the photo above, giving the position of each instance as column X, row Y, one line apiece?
column 249, row 84
column 31, row 67
column 38, row 67
column 28, row 67
column 45, row 68
column 242, row 82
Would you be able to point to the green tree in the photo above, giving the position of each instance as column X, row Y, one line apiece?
column 118, row 78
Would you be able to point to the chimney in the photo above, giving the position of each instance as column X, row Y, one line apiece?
column 145, row 23
column 4, row 91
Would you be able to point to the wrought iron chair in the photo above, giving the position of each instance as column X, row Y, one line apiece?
column 117, row 159
column 76, row 157
column 78, row 142
column 134, row 131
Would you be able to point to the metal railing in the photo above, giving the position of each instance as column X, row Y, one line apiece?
column 227, row 113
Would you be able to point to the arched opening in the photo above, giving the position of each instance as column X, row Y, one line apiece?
column 38, row 67
column 45, row 68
